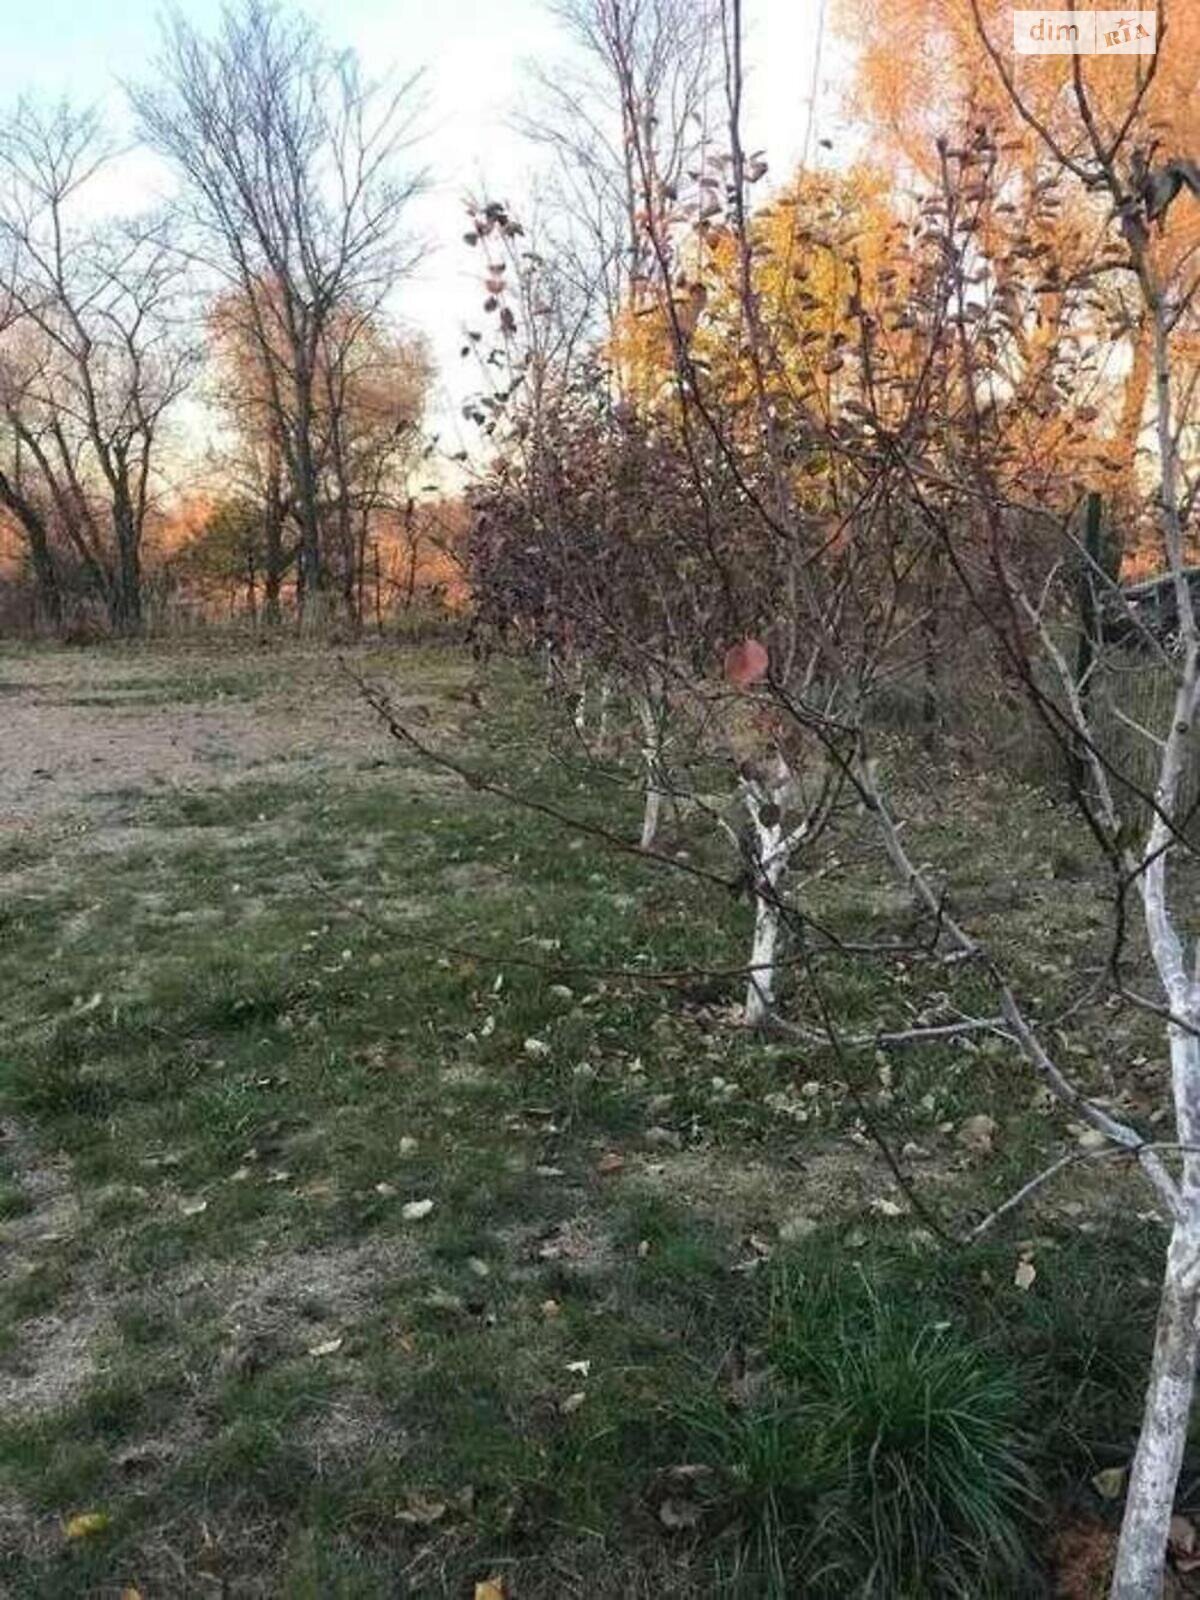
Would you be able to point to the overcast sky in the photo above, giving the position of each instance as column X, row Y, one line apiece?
column 475, row 55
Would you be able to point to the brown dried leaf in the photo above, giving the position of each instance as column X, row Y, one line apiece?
column 746, row 663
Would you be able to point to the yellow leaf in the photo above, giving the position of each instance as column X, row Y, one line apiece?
column 490, row 1589
column 86, row 1523
column 131, row 1592
column 1109, row 1483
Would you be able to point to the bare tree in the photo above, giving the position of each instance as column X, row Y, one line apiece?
column 23, row 501
column 290, row 197
column 91, row 359
column 373, row 388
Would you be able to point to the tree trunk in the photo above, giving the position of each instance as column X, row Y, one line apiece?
column 760, row 988
column 125, row 602
column 271, row 585
column 1089, row 642
column 770, row 862
column 49, row 591
column 649, row 715
column 931, row 699
column 361, row 573
column 307, row 511
column 274, row 559
column 1141, row 1554
column 45, row 573
column 1129, row 427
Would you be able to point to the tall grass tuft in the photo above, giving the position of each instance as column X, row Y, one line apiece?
column 883, row 1456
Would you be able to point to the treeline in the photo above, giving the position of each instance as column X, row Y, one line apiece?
column 265, row 288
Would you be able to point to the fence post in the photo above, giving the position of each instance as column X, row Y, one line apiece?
column 1088, row 621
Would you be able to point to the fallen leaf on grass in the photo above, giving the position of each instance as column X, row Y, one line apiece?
column 887, row 1208
column 1088, row 1138
column 193, row 1208
column 86, row 1523
column 977, row 1133
column 490, row 1589
column 419, row 1511
column 1109, row 1483
column 611, row 1161
column 443, row 1300
column 328, row 1348
column 572, row 1403
column 1025, row 1274
column 583, row 1368
column 416, row 1209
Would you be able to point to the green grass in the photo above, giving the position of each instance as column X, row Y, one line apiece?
column 905, row 1420
column 288, row 1007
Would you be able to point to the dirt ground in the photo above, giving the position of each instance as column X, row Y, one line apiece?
column 75, row 742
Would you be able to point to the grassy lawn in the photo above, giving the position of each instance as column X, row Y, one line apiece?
column 368, row 1230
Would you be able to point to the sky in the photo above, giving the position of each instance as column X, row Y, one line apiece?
column 475, row 56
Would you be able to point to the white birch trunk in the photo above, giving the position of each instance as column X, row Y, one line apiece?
column 772, row 850
column 1151, row 1497
column 1142, row 1549
column 652, row 764
column 760, row 987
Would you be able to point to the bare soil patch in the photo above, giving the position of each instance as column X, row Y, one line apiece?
column 73, row 737
column 55, row 1353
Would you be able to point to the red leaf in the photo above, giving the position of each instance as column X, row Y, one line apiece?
column 746, row 663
